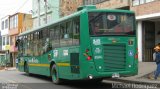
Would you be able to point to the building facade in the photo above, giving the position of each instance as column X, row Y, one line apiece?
column 4, row 33
column 68, row 7
column 55, row 10
column 18, row 23
column 27, row 23
column 148, row 23
column 5, row 40
column 44, row 11
column 109, row 4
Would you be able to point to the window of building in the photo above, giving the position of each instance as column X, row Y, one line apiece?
column 135, row 2
column 0, row 41
column 7, row 40
column 11, row 22
column 2, row 25
column 149, row 1
column 16, row 20
column 3, row 40
column 142, row 1
column 92, row 2
column 12, row 40
column 6, row 23
column 138, row 2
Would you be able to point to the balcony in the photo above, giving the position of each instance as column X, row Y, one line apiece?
column 13, row 31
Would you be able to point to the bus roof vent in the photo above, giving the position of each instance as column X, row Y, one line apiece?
column 86, row 7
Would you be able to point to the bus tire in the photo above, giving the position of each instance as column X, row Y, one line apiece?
column 54, row 75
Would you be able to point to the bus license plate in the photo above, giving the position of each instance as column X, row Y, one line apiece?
column 115, row 75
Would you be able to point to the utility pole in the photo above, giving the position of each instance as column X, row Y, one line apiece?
column 39, row 20
column 45, row 10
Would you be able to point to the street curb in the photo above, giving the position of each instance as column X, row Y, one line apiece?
column 2, row 70
column 134, row 82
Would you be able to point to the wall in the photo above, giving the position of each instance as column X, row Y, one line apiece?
column 52, row 12
column 68, row 7
column 114, row 4
column 27, row 23
column 147, row 8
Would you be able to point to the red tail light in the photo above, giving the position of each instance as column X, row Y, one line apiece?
column 89, row 58
column 136, row 56
column 87, row 50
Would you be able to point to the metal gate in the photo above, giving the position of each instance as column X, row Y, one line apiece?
column 148, row 40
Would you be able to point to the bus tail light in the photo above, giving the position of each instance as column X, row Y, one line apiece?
column 88, row 57
column 87, row 50
column 136, row 56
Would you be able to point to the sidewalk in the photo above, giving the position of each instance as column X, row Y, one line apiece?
column 145, row 74
column 8, row 68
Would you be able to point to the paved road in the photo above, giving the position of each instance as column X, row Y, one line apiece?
column 19, row 80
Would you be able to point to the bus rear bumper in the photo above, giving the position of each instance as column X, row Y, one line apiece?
column 111, row 74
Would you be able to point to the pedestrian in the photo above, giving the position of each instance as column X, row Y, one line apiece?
column 157, row 60
column 16, row 62
column 154, row 54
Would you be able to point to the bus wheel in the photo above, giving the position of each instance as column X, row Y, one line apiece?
column 54, row 74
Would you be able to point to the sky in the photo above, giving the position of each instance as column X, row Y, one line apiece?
column 9, row 7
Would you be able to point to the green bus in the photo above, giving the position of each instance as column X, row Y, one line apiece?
column 90, row 44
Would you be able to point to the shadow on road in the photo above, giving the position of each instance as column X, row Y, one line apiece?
column 70, row 84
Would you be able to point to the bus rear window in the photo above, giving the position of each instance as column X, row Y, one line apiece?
column 102, row 23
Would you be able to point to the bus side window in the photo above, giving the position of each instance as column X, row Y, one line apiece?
column 45, row 40
column 62, row 33
column 40, row 42
column 76, row 31
column 66, row 34
column 56, row 36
